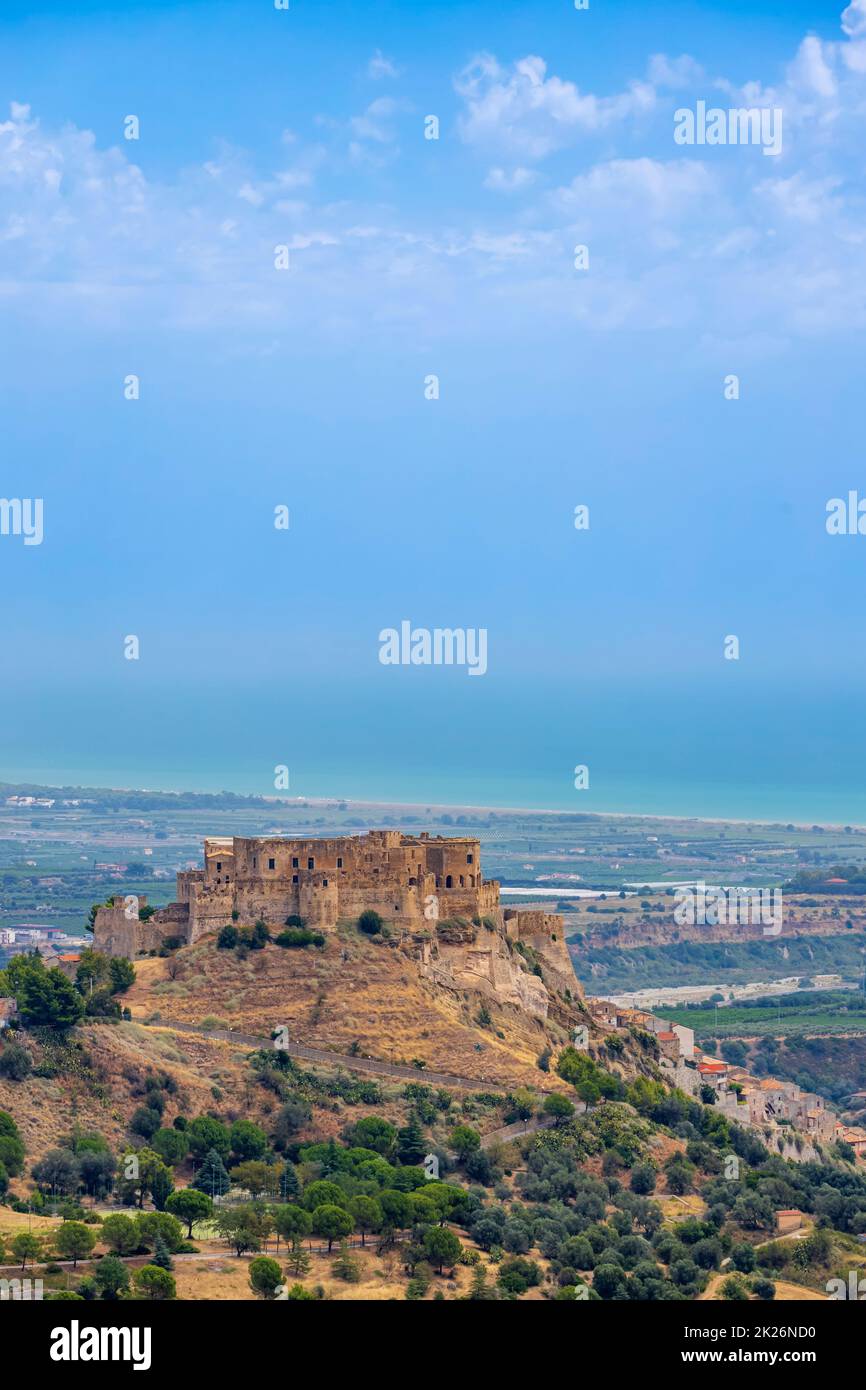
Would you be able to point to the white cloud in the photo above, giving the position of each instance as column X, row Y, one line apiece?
column 372, row 124
column 854, row 19
column 509, row 181
column 379, row 66
column 803, row 199
column 674, row 72
column 811, row 69
column 524, row 110
column 644, row 189
column 675, row 240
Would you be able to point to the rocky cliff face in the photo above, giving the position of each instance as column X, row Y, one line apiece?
column 516, row 958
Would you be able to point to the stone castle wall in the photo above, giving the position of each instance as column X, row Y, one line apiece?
column 432, row 890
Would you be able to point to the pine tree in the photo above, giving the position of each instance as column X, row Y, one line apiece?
column 347, row 1266
column 160, row 1255
column 411, row 1144
column 332, row 1159
column 298, row 1260
column 212, row 1177
column 290, row 1187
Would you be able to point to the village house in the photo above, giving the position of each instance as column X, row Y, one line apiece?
column 788, row 1220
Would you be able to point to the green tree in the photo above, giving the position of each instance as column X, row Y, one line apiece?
column 372, row 1132
column 15, row 1063
column 247, row 1141
column 289, row 1120
column 93, row 972
column 266, row 1277
column 322, row 1192
column 743, row 1258
column 111, row 1277
column 49, row 1000
column 290, row 1187
column 370, row 923
column 120, row 1234
column 154, row 1226
column 97, row 1172
column 154, row 1284
column 366, row 1213
column 735, row 1289
column 122, row 972
column 764, row 1288
column 609, row 1280
column 643, row 1179
column 298, row 1261
column 74, row 1241
column 522, row 1105
column 161, row 1254
column 396, row 1208
column 291, row 1222
column 212, row 1177
column 411, row 1144
column 161, row 1185
column 206, row 1133
column 332, row 1223
column 347, row 1266
column 464, row 1141
column 246, row 1227
column 559, row 1107
column 59, row 1171
column 172, row 1145
column 11, row 1146
column 259, row 1179
column 26, row 1247
column 442, row 1247
column 189, row 1205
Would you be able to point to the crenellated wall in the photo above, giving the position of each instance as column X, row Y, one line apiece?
column 432, row 889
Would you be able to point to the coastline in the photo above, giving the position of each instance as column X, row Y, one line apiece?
column 422, row 807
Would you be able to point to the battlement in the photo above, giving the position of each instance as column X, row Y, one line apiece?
column 412, row 881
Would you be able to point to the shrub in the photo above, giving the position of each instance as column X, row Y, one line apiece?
column 370, row 923
column 294, row 937
column 735, row 1289
column 15, row 1063
column 764, row 1288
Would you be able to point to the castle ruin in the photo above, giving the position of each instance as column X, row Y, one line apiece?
column 428, row 889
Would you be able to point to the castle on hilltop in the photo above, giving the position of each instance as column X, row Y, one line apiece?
column 411, row 881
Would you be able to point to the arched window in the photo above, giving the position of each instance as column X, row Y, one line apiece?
column 448, row 881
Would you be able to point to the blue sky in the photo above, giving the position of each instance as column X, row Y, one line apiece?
column 409, row 257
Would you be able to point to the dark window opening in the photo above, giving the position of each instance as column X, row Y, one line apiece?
column 339, row 862
column 448, row 881
column 295, row 878
column 324, row 883
column 272, row 863
column 295, row 863
column 219, row 867
column 311, row 863
column 469, row 858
